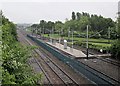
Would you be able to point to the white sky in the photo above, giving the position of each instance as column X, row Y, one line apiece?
column 32, row 11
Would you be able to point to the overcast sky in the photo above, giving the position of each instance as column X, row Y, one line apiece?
column 34, row 11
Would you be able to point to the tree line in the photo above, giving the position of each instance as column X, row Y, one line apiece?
column 105, row 27
column 78, row 23
column 115, row 48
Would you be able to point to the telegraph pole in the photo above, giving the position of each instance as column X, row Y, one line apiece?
column 36, row 32
column 32, row 31
column 72, row 39
column 52, row 35
column 87, row 42
column 109, row 35
column 43, row 32
column 59, row 36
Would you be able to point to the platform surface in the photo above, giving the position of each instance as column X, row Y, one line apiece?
column 71, row 51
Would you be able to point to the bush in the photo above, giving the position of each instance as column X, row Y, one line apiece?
column 115, row 50
column 14, row 57
column 95, row 46
column 79, row 43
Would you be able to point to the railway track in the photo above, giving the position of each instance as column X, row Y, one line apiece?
column 114, row 80
column 47, row 80
column 101, row 74
column 63, row 77
column 108, row 60
column 58, row 71
column 50, row 75
column 113, row 62
column 57, row 66
column 34, row 60
column 116, row 63
column 91, row 67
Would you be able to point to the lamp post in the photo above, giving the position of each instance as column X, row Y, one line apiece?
column 87, row 42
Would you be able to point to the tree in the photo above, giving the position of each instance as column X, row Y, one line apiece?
column 15, row 69
column 78, row 15
column 43, row 24
column 50, row 25
column 115, row 48
column 58, row 26
column 73, row 16
column 118, row 29
column 82, row 23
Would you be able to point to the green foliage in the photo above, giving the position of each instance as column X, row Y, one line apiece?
column 115, row 50
column 78, row 22
column 42, row 24
column 97, row 24
column 58, row 26
column 15, row 69
column 50, row 25
column 92, row 45
column 118, row 29
column 7, row 78
column 73, row 16
column 78, row 15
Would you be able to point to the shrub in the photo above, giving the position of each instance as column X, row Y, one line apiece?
column 115, row 50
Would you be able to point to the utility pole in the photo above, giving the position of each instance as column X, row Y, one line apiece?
column 59, row 36
column 32, row 31
column 72, row 39
column 52, row 34
column 87, row 42
column 43, row 32
column 68, row 33
column 36, row 32
column 109, row 35
column 40, row 32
